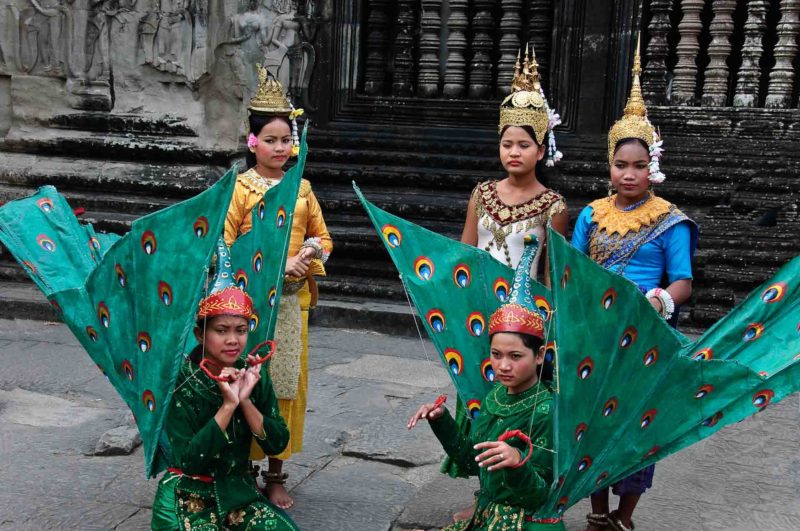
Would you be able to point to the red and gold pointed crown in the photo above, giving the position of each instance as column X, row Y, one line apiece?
column 519, row 314
column 226, row 298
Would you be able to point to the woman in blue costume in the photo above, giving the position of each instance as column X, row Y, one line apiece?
column 646, row 239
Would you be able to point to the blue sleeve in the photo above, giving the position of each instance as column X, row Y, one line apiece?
column 678, row 252
column 580, row 235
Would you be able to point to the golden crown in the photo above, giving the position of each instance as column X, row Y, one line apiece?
column 270, row 97
column 526, row 105
column 634, row 122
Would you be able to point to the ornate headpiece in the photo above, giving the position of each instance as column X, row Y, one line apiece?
column 270, row 99
column 226, row 298
column 634, row 124
column 520, row 313
column 527, row 105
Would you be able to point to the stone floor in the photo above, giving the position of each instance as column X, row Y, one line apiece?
column 361, row 469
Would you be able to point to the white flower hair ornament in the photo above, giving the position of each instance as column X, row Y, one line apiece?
column 656, row 151
column 554, row 156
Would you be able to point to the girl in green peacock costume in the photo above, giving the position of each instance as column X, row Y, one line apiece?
column 510, row 444
column 132, row 302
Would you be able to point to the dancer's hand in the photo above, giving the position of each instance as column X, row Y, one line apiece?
column 497, row 455
column 230, row 390
column 296, row 266
column 426, row 411
column 249, row 380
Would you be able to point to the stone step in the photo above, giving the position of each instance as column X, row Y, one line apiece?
column 103, row 122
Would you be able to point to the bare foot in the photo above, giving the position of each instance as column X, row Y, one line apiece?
column 278, row 495
column 464, row 514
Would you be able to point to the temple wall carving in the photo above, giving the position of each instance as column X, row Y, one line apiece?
column 191, row 60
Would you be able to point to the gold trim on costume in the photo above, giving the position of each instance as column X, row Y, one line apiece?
column 612, row 220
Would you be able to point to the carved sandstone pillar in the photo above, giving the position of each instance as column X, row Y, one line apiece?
column 747, row 85
column 715, row 90
column 540, row 31
column 480, row 70
column 455, row 73
column 654, row 78
column 510, row 28
column 403, row 48
column 685, row 80
column 430, row 25
column 781, row 79
column 377, row 38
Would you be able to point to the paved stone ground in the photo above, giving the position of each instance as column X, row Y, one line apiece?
column 361, row 470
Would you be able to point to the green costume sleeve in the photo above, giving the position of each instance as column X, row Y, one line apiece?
column 277, row 434
column 195, row 450
column 533, row 479
column 458, row 447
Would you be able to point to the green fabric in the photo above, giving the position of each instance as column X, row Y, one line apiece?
column 201, row 448
column 269, row 239
column 455, row 289
column 132, row 305
column 630, row 390
column 526, row 487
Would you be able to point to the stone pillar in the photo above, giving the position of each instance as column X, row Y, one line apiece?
column 430, row 25
column 750, row 73
column 781, row 79
column 377, row 29
column 685, row 80
column 403, row 48
column 654, row 78
column 540, row 31
column 510, row 29
column 455, row 73
column 715, row 90
column 480, row 69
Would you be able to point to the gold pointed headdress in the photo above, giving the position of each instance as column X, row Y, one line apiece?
column 270, row 97
column 634, row 122
column 527, row 105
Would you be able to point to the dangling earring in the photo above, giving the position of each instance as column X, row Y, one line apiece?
column 610, row 189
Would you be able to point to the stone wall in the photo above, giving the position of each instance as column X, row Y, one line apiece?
column 188, row 62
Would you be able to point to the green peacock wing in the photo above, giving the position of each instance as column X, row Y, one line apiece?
column 628, row 391
column 136, row 308
column 763, row 334
column 455, row 288
column 45, row 237
column 259, row 257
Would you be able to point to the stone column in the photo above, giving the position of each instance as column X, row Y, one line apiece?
column 480, row 69
column 403, row 48
column 430, row 25
column 685, row 80
column 510, row 28
column 781, row 79
column 455, row 73
column 540, row 31
column 750, row 73
column 377, row 39
column 654, row 78
column 715, row 90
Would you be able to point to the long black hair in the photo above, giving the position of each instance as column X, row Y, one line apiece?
column 257, row 123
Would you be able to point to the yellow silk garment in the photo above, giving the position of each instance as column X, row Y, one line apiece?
column 308, row 223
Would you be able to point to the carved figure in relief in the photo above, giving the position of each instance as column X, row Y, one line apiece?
column 172, row 37
column 97, row 47
column 37, row 40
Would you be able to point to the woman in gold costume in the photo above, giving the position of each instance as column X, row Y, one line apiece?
column 271, row 142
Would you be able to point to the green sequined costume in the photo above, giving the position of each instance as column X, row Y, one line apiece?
column 510, row 497
column 200, row 448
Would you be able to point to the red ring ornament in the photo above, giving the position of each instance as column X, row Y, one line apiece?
column 258, row 360
column 519, row 435
column 205, row 363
